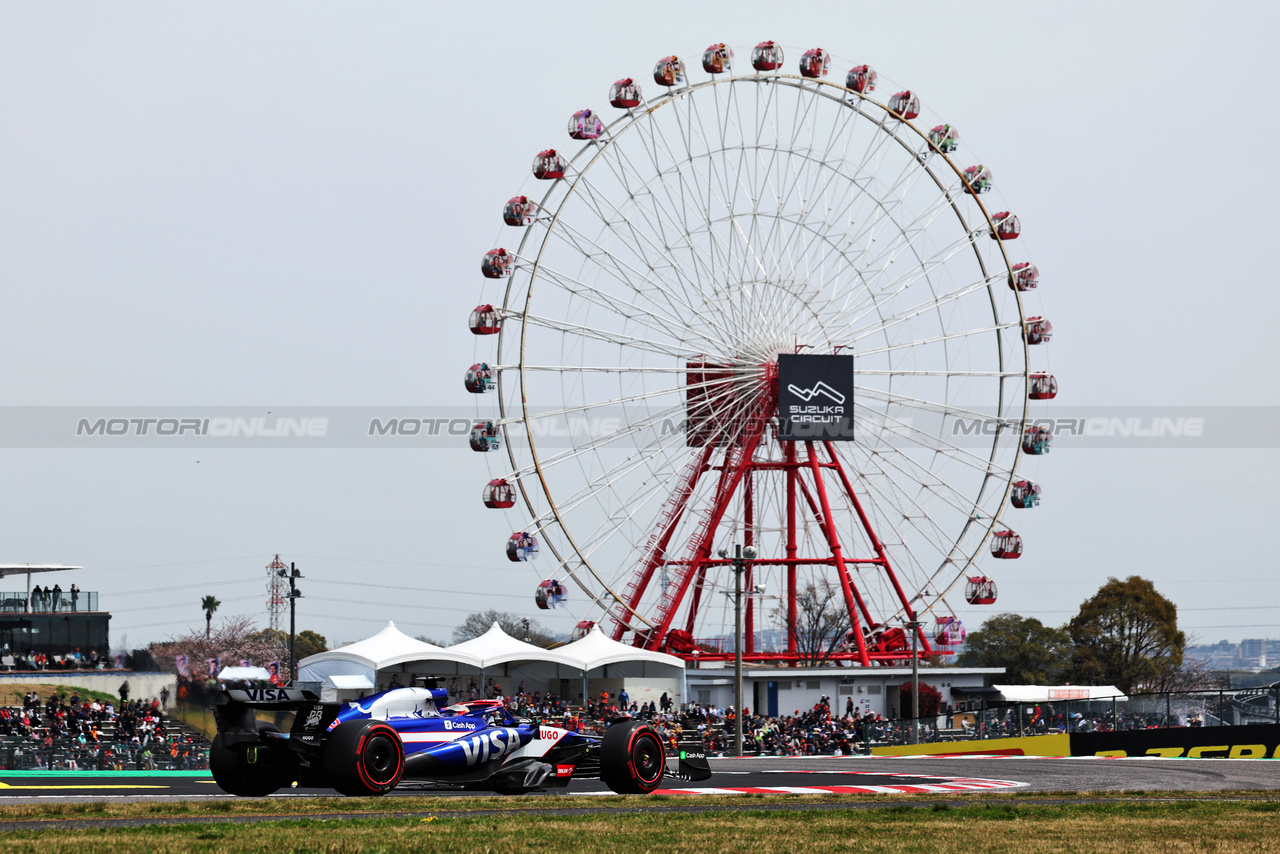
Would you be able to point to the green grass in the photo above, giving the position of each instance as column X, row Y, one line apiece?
column 1123, row 824
column 12, row 693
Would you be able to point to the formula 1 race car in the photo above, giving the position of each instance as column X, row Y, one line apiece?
column 369, row 746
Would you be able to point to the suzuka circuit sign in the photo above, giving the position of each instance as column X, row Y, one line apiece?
column 815, row 398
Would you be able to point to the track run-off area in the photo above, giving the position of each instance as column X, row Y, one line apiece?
column 818, row 776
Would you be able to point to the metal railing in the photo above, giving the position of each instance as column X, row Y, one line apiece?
column 19, row 755
column 65, row 603
column 987, row 720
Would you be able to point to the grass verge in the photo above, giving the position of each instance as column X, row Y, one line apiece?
column 1012, row 824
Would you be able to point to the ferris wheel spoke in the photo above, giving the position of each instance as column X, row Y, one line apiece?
column 591, row 488
column 614, row 304
column 910, row 313
column 919, row 226
column 906, row 402
column 909, row 232
column 882, row 208
column 627, row 506
column 924, row 478
column 664, row 348
column 732, row 111
column 877, row 266
column 623, row 272
column 935, row 339
column 936, row 444
column 894, row 533
column 792, row 179
column 687, row 192
column 717, row 398
column 592, row 369
column 890, row 372
column 904, row 241
column 660, row 220
column 948, row 546
column 654, row 238
column 906, row 507
column 654, row 419
column 719, row 198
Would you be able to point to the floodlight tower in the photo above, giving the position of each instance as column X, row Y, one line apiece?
column 277, row 591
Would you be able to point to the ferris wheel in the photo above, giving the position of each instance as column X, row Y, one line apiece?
column 764, row 308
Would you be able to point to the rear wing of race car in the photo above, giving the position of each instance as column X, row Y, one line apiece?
column 234, row 709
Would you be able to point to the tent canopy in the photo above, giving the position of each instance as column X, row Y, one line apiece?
column 392, row 647
column 496, row 647
column 376, row 651
column 365, row 658
column 1058, row 693
column 596, row 650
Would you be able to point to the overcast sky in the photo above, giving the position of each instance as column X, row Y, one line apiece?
column 237, row 205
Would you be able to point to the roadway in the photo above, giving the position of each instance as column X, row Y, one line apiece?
column 927, row 776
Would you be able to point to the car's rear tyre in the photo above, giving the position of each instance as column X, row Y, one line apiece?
column 250, row 770
column 632, row 758
column 364, row 758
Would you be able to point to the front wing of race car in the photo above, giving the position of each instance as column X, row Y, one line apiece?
column 372, row 746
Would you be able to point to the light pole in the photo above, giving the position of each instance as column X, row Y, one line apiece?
column 294, row 596
column 912, row 626
column 741, row 555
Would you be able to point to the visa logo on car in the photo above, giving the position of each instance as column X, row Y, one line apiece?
column 269, row 695
column 487, row 746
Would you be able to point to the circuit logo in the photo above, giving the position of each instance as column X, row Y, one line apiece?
column 821, row 388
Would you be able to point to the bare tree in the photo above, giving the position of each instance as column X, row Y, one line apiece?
column 822, row 623
column 518, row 627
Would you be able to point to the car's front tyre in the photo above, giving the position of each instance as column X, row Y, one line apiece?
column 632, row 758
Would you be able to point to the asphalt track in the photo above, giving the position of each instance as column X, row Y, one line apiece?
column 928, row 776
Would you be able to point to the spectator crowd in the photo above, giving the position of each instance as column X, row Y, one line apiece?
column 73, row 733
column 72, row 659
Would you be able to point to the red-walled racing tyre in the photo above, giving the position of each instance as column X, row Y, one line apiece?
column 364, row 758
column 250, row 770
column 632, row 758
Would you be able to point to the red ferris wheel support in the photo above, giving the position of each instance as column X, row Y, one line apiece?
column 739, row 452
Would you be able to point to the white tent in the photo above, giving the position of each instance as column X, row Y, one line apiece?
column 596, row 650
column 1058, row 693
column 388, row 648
column 495, row 650
column 496, row 647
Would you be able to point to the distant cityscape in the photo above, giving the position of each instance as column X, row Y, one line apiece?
column 1249, row 654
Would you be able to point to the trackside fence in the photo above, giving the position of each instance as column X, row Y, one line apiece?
column 984, row 720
